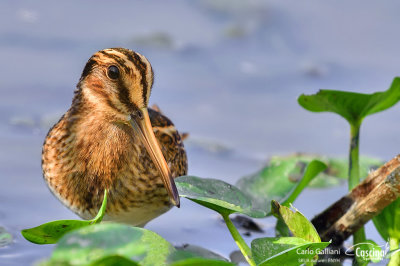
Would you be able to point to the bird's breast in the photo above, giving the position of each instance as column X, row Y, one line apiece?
column 81, row 160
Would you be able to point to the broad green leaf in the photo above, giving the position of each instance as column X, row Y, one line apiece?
column 297, row 223
column 350, row 105
column 51, row 232
column 201, row 262
column 279, row 181
column 194, row 255
column 216, row 195
column 114, row 260
column 312, row 170
column 5, row 237
column 337, row 167
column 281, row 229
column 388, row 221
column 394, row 258
column 191, row 251
column 285, row 250
column 95, row 243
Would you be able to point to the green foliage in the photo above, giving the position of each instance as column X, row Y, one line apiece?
column 216, row 195
column 350, row 105
column 312, row 170
column 303, row 248
column 51, row 232
column 113, row 244
column 279, row 251
column 337, row 168
column 93, row 243
column 279, row 181
column 296, row 221
column 117, row 244
column 388, row 225
column 281, row 228
column 394, row 254
column 388, row 221
column 193, row 251
column 201, row 262
column 353, row 107
column 222, row 198
column 113, row 260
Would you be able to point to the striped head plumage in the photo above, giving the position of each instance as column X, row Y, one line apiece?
column 118, row 80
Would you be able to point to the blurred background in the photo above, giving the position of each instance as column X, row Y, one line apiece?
column 228, row 72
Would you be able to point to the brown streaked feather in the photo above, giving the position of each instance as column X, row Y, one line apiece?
column 86, row 168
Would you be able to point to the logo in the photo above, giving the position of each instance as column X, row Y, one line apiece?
column 370, row 251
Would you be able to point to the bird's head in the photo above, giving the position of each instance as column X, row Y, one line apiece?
column 118, row 81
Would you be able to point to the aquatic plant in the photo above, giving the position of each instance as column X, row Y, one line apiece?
column 353, row 107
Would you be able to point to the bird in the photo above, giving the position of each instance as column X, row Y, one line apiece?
column 110, row 139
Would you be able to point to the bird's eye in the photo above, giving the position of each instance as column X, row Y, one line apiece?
column 139, row 114
column 113, row 72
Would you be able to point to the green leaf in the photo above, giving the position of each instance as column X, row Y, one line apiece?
column 285, row 250
column 193, row 251
column 297, row 222
column 279, row 181
column 281, row 229
column 51, row 232
column 350, row 105
column 337, row 168
column 114, row 260
column 5, row 237
column 201, row 262
column 388, row 221
column 194, row 255
column 216, row 195
column 312, row 170
column 102, row 210
column 94, row 243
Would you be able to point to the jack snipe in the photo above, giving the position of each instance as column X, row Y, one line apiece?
column 110, row 139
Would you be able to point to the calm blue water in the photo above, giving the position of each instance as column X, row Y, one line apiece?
column 228, row 72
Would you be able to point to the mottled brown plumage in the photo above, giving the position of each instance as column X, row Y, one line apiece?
column 99, row 143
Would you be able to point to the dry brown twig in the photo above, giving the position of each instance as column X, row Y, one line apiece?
column 368, row 199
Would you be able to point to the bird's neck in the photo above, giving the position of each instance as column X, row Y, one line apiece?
column 102, row 143
column 91, row 100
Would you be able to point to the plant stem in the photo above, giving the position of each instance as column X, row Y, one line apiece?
column 359, row 236
column 244, row 248
column 354, row 170
column 395, row 258
column 354, row 164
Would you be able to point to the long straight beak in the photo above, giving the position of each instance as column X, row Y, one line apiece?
column 144, row 129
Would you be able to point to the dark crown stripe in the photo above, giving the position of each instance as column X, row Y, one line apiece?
column 117, row 59
column 140, row 65
column 88, row 68
column 123, row 91
column 124, row 96
column 143, row 69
